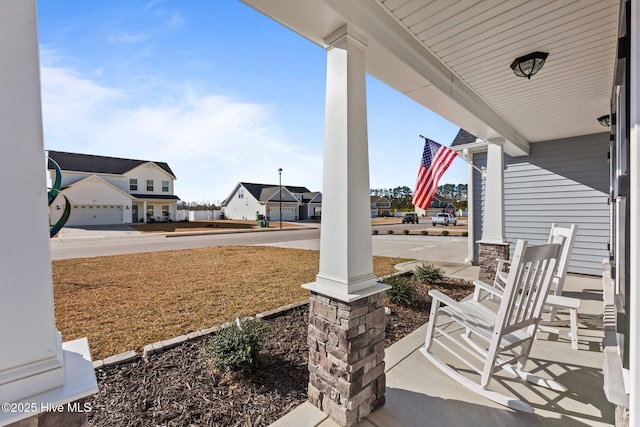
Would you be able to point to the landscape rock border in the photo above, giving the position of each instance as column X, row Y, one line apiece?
column 157, row 347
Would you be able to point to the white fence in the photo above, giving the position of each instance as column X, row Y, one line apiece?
column 211, row 215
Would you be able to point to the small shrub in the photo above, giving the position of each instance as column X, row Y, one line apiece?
column 402, row 291
column 405, row 232
column 465, row 233
column 424, row 232
column 237, row 347
column 375, row 232
column 428, row 273
column 389, row 231
column 445, row 233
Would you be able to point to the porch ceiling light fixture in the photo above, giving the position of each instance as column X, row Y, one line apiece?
column 605, row 120
column 528, row 65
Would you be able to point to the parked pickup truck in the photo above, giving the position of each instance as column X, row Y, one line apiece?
column 443, row 219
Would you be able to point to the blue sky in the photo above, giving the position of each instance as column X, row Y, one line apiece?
column 220, row 92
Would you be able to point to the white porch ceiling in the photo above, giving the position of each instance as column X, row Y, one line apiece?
column 453, row 57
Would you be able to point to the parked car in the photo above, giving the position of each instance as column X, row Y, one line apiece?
column 411, row 217
column 443, row 219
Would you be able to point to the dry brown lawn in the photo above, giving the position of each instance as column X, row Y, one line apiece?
column 124, row 302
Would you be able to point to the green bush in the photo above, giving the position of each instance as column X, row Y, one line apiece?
column 424, row 232
column 389, row 231
column 402, row 292
column 374, row 232
column 405, row 232
column 428, row 273
column 237, row 347
column 465, row 233
column 445, row 233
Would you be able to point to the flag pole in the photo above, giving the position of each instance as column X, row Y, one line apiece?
column 482, row 172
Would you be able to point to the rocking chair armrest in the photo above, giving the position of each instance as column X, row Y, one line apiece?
column 563, row 302
column 488, row 288
column 437, row 295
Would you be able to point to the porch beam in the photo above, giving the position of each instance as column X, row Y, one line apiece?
column 393, row 37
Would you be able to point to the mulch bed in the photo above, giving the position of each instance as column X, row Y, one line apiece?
column 180, row 387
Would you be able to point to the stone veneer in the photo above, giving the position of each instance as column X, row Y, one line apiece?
column 488, row 255
column 346, row 356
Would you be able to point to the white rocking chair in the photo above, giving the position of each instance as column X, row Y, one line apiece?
column 495, row 340
column 566, row 238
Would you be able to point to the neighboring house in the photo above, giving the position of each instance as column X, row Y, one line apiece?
column 311, row 207
column 109, row 190
column 564, row 181
column 380, row 206
column 248, row 200
column 437, row 205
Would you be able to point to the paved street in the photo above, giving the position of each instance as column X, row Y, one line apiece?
column 80, row 243
column 447, row 252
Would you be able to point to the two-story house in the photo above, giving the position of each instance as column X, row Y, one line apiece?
column 380, row 206
column 248, row 200
column 437, row 205
column 109, row 190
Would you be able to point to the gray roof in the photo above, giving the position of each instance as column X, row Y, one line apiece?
column 156, row 196
column 258, row 190
column 99, row 164
column 309, row 196
column 463, row 137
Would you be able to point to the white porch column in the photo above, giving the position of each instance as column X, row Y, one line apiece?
column 493, row 226
column 493, row 245
column 634, row 200
column 346, row 265
column 34, row 367
column 346, row 308
column 470, row 207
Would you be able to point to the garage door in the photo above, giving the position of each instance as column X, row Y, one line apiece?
column 95, row 215
column 288, row 214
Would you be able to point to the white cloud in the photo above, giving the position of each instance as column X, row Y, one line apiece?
column 129, row 38
column 210, row 141
column 176, row 20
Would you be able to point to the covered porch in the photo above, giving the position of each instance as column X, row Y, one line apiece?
column 453, row 58
column 418, row 394
column 458, row 60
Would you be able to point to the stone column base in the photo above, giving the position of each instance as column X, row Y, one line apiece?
column 346, row 356
column 488, row 255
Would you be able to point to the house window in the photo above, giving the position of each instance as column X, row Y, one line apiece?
column 150, row 212
column 165, row 211
column 149, row 185
column 241, row 194
column 165, row 186
column 133, row 184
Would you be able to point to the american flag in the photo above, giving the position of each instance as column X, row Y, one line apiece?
column 436, row 159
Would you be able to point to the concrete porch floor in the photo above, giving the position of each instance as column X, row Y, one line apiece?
column 419, row 394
